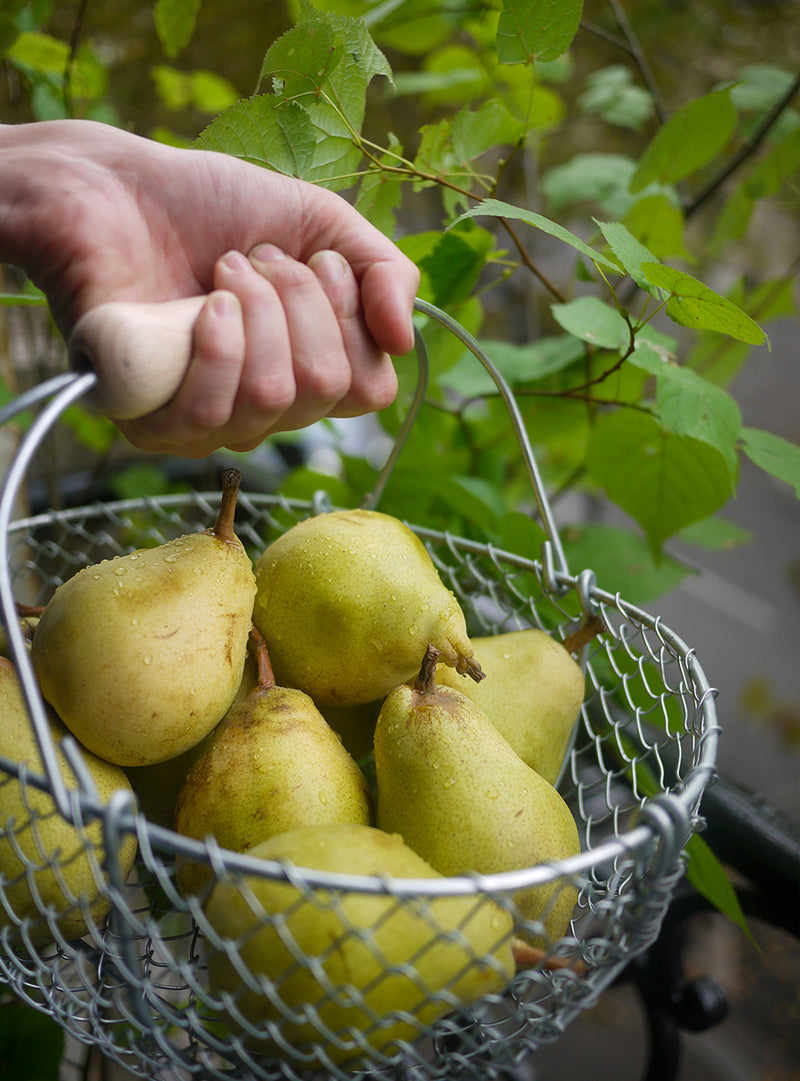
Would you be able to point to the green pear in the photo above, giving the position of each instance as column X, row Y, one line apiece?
column 461, row 797
column 347, row 602
column 141, row 655
column 45, row 861
column 370, row 968
column 157, row 786
column 27, row 625
column 272, row 764
column 532, row 693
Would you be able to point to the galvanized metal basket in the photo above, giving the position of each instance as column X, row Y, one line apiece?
column 135, row 984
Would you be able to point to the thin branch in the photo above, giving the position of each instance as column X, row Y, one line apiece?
column 529, row 263
column 74, row 41
column 635, row 50
column 746, row 150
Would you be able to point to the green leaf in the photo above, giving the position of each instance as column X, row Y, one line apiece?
column 622, row 562
column 474, row 131
column 380, row 191
column 708, row 877
column 496, row 208
column 693, row 304
column 31, row 1043
column 39, row 52
column 690, row 139
column 716, row 533
column 630, row 252
column 520, row 365
column 774, row 455
column 264, row 131
column 13, row 300
column 657, row 223
column 664, row 481
column 690, row 405
column 592, row 320
column 530, row 30
column 612, row 93
column 590, row 178
column 175, row 22
column 450, row 263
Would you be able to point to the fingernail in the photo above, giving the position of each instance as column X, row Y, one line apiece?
column 223, row 305
column 329, row 266
column 266, row 253
column 234, row 260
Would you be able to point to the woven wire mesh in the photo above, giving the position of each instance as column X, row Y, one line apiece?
column 136, row 984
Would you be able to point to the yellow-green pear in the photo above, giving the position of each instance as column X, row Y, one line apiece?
column 371, row 968
column 141, row 655
column 532, row 693
column 28, row 621
column 272, row 764
column 451, row 785
column 39, row 850
column 157, row 786
column 347, row 602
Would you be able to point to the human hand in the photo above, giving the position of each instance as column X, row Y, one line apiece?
column 305, row 298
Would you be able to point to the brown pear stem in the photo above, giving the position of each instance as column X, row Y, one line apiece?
column 584, row 635
column 266, row 677
column 468, row 666
column 223, row 527
column 526, row 956
column 25, row 610
column 426, row 680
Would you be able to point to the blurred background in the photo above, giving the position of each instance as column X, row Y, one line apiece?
column 741, row 610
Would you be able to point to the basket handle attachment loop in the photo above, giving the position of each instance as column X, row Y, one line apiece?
column 668, row 818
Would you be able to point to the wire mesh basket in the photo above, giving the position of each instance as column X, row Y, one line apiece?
column 127, row 968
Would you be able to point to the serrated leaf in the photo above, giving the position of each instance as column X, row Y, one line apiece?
column 690, row 405
column 265, row 131
column 449, row 263
column 530, row 30
column 324, row 65
column 630, row 252
column 774, row 455
column 592, row 320
column 496, row 208
column 664, row 481
column 693, row 304
column 175, row 23
column 690, row 139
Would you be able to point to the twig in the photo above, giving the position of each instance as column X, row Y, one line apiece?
column 635, row 51
column 746, row 150
column 74, row 39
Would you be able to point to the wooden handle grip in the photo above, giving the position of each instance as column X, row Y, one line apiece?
column 139, row 352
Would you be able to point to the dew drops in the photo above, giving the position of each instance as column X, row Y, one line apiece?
column 323, row 798
column 449, row 782
column 147, row 658
column 492, row 793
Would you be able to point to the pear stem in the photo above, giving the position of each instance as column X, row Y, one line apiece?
column 426, row 680
column 526, row 956
column 266, row 677
column 223, row 527
column 584, row 635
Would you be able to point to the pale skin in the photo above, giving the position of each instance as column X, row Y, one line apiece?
column 306, row 300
